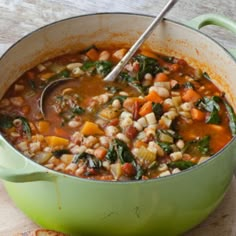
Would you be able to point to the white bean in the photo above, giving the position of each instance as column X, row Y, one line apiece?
column 111, row 130
column 175, row 156
column 116, row 104
column 123, row 137
column 104, row 56
column 73, row 123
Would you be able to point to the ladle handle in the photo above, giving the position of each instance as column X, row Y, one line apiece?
column 117, row 69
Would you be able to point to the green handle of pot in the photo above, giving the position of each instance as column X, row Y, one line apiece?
column 26, row 172
column 214, row 19
column 24, row 175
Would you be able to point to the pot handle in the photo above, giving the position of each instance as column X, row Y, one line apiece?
column 24, row 175
column 214, row 19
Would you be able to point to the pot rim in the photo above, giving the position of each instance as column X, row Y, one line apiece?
column 169, row 177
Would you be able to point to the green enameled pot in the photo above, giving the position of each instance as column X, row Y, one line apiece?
column 168, row 205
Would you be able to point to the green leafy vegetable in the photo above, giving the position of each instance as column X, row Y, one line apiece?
column 25, row 126
column 123, row 151
column 88, row 65
column 166, row 147
column 147, row 65
column 111, row 154
column 60, row 152
column 103, row 67
column 139, row 172
column 132, row 81
column 32, row 84
column 213, row 118
column 100, row 67
column 232, row 118
column 64, row 73
column 203, row 145
column 206, row 76
column 78, row 110
column 112, row 89
column 168, row 59
column 6, row 121
column 211, row 105
column 182, row 165
column 91, row 160
column 198, row 146
column 157, row 108
column 119, row 149
column 188, row 85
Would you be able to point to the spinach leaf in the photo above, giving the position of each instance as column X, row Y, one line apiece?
column 166, row 147
column 203, row 145
column 103, row 67
column 139, row 172
column 64, row 73
column 188, row 85
column 78, row 110
column 88, row 65
column 111, row 154
column 112, row 89
column 209, row 104
column 133, row 81
column 214, row 117
column 232, row 118
column 123, row 151
column 100, row 67
column 198, row 145
column 25, row 126
column 182, row 165
column 168, row 59
column 206, row 76
column 60, row 152
column 119, row 149
column 31, row 84
column 91, row 160
column 6, row 121
column 147, row 65
column 157, row 109
column 79, row 156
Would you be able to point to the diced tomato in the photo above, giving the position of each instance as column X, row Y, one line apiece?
column 114, row 122
column 128, row 169
column 131, row 132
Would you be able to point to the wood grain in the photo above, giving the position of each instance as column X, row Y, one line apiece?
column 20, row 17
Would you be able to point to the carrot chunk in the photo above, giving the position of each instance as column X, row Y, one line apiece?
column 54, row 141
column 161, row 77
column 43, row 126
column 197, row 114
column 145, row 108
column 92, row 54
column 147, row 53
column 153, row 97
column 91, row 128
column 100, row 153
column 190, row 95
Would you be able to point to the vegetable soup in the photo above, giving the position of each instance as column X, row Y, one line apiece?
column 161, row 115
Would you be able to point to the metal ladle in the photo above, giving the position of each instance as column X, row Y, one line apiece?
column 118, row 68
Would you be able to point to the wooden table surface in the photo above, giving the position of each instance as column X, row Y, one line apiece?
column 19, row 17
